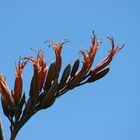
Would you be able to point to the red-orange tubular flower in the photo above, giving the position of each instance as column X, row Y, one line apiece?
column 42, row 65
column 40, row 69
column 88, row 61
column 18, row 81
column 6, row 93
column 103, row 67
column 58, row 50
column 105, row 62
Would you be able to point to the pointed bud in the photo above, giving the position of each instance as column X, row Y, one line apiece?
column 98, row 75
column 75, row 67
column 49, row 97
column 5, row 107
column 34, row 88
column 50, row 75
column 65, row 76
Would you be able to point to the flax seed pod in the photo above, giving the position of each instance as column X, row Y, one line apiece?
column 48, row 100
column 75, row 67
column 50, row 75
column 65, row 76
column 98, row 75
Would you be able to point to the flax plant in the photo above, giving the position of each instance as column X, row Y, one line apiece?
column 47, row 85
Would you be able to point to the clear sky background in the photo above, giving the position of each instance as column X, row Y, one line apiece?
column 108, row 109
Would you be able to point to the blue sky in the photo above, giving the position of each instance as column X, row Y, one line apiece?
column 106, row 110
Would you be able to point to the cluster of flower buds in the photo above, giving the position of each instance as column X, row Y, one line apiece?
column 46, row 85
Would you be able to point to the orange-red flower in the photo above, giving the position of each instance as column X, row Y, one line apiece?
column 6, row 93
column 88, row 61
column 58, row 49
column 105, row 62
column 35, row 83
column 18, row 81
column 42, row 65
column 40, row 69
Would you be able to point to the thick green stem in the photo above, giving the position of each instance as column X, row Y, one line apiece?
column 1, row 131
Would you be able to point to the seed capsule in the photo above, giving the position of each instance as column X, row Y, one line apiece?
column 49, row 97
column 65, row 76
column 75, row 67
column 50, row 76
column 98, row 75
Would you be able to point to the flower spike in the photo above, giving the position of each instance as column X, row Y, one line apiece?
column 46, row 85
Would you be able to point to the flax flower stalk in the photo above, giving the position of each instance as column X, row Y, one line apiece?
column 47, row 85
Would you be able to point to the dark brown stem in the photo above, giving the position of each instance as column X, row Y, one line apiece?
column 1, row 131
column 61, row 92
column 20, row 124
column 26, row 117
